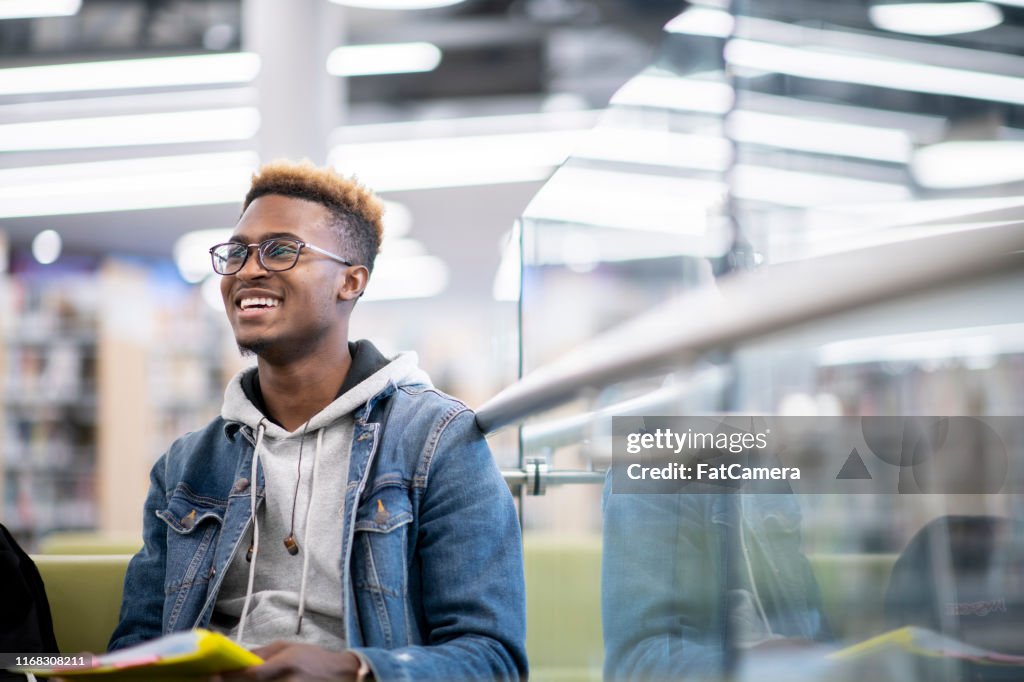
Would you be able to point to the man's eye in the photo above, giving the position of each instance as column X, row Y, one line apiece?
column 280, row 250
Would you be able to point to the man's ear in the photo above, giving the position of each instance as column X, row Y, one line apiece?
column 353, row 283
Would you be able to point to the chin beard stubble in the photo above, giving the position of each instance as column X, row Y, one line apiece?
column 251, row 349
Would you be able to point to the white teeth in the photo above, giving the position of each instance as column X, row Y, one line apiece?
column 247, row 303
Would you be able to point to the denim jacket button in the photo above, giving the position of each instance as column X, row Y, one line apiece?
column 240, row 485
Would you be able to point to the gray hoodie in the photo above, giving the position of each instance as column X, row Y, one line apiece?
column 299, row 597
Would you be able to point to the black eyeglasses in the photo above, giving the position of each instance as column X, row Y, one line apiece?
column 275, row 255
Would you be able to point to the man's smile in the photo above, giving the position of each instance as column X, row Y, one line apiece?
column 254, row 304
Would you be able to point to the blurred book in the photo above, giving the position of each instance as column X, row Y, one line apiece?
column 178, row 656
column 924, row 642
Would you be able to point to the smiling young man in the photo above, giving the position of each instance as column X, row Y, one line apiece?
column 342, row 517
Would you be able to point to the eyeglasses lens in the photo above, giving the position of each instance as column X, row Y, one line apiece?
column 279, row 254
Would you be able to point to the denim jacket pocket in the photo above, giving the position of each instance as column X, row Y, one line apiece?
column 193, row 524
column 379, row 561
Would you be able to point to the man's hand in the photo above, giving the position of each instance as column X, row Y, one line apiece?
column 290, row 662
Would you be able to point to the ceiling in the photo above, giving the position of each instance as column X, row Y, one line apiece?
column 528, row 58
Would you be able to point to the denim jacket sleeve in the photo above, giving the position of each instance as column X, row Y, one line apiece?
column 660, row 587
column 142, row 606
column 674, row 569
column 469, row 554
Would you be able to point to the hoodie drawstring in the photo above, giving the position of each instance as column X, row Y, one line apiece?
column 255, row 532
column 305, row 531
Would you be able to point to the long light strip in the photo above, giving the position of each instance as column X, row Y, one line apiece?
column 237, row 67
column 917, row 347
column 209, row 125
column 455, row 161
column 969, row 163
column 806, row 190
column 655, row 148
column 31, row 9
column 370, row 60
column 671, row 92
column 935, row 18
column 397, row 4
column 672, row 205
column 125, row 185
column 874, row 71
column 824, row 137
column 702, row 21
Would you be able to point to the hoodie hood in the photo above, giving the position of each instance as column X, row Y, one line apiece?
column 401, row 370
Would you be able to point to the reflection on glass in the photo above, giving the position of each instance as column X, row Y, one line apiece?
column 767, row 132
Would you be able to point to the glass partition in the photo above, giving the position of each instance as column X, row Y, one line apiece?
column 766, row 134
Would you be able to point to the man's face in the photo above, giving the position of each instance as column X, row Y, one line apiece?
column 285, row 315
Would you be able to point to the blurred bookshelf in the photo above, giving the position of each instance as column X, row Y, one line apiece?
column 100, row 372
column 49, row 349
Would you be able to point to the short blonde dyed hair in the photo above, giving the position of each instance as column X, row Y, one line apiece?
column 356, row 211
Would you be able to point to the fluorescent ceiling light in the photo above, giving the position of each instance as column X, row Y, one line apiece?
column 192, row 252
column 935, row 18
column 141, row 129
column 851, row 218
column 874, row 71
column 967, row 342
column 397, row 220
column 961, row 164
column 701, row 21
column 369, row 60
column 628, row 201
column 455, row 161
column 823, row 137
column 158, row 182
column 238, row 67
column 30, row 9
column 397, row 4
column 46, row 246
column 655, row 147
column 673, row 92
column 419, row 276
column 805, row 190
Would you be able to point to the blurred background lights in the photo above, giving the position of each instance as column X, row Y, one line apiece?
column 397, row 220
column 372, row 60
column 397, row 4
column 192, row 253
column 177, row 127
column 122, row 74
column 935, row 18
column 961, row 164
column 46, row 246
column 27, row 9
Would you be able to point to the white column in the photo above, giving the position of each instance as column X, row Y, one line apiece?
column 299, row 102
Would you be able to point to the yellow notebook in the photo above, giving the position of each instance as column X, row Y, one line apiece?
column 924, row 642
column 179, row 655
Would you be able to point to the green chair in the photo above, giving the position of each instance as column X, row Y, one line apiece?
column 85, row 597
column 563, row 607
column 89, row 542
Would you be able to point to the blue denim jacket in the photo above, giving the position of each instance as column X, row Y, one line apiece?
column 677, row 581
column 433, row 589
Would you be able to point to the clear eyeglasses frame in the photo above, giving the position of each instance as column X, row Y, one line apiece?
column 275, row 255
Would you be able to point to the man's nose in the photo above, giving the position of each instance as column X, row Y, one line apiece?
column 252, row 267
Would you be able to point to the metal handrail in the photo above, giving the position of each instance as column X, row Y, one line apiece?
column 751, row 305
column 557, row 433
